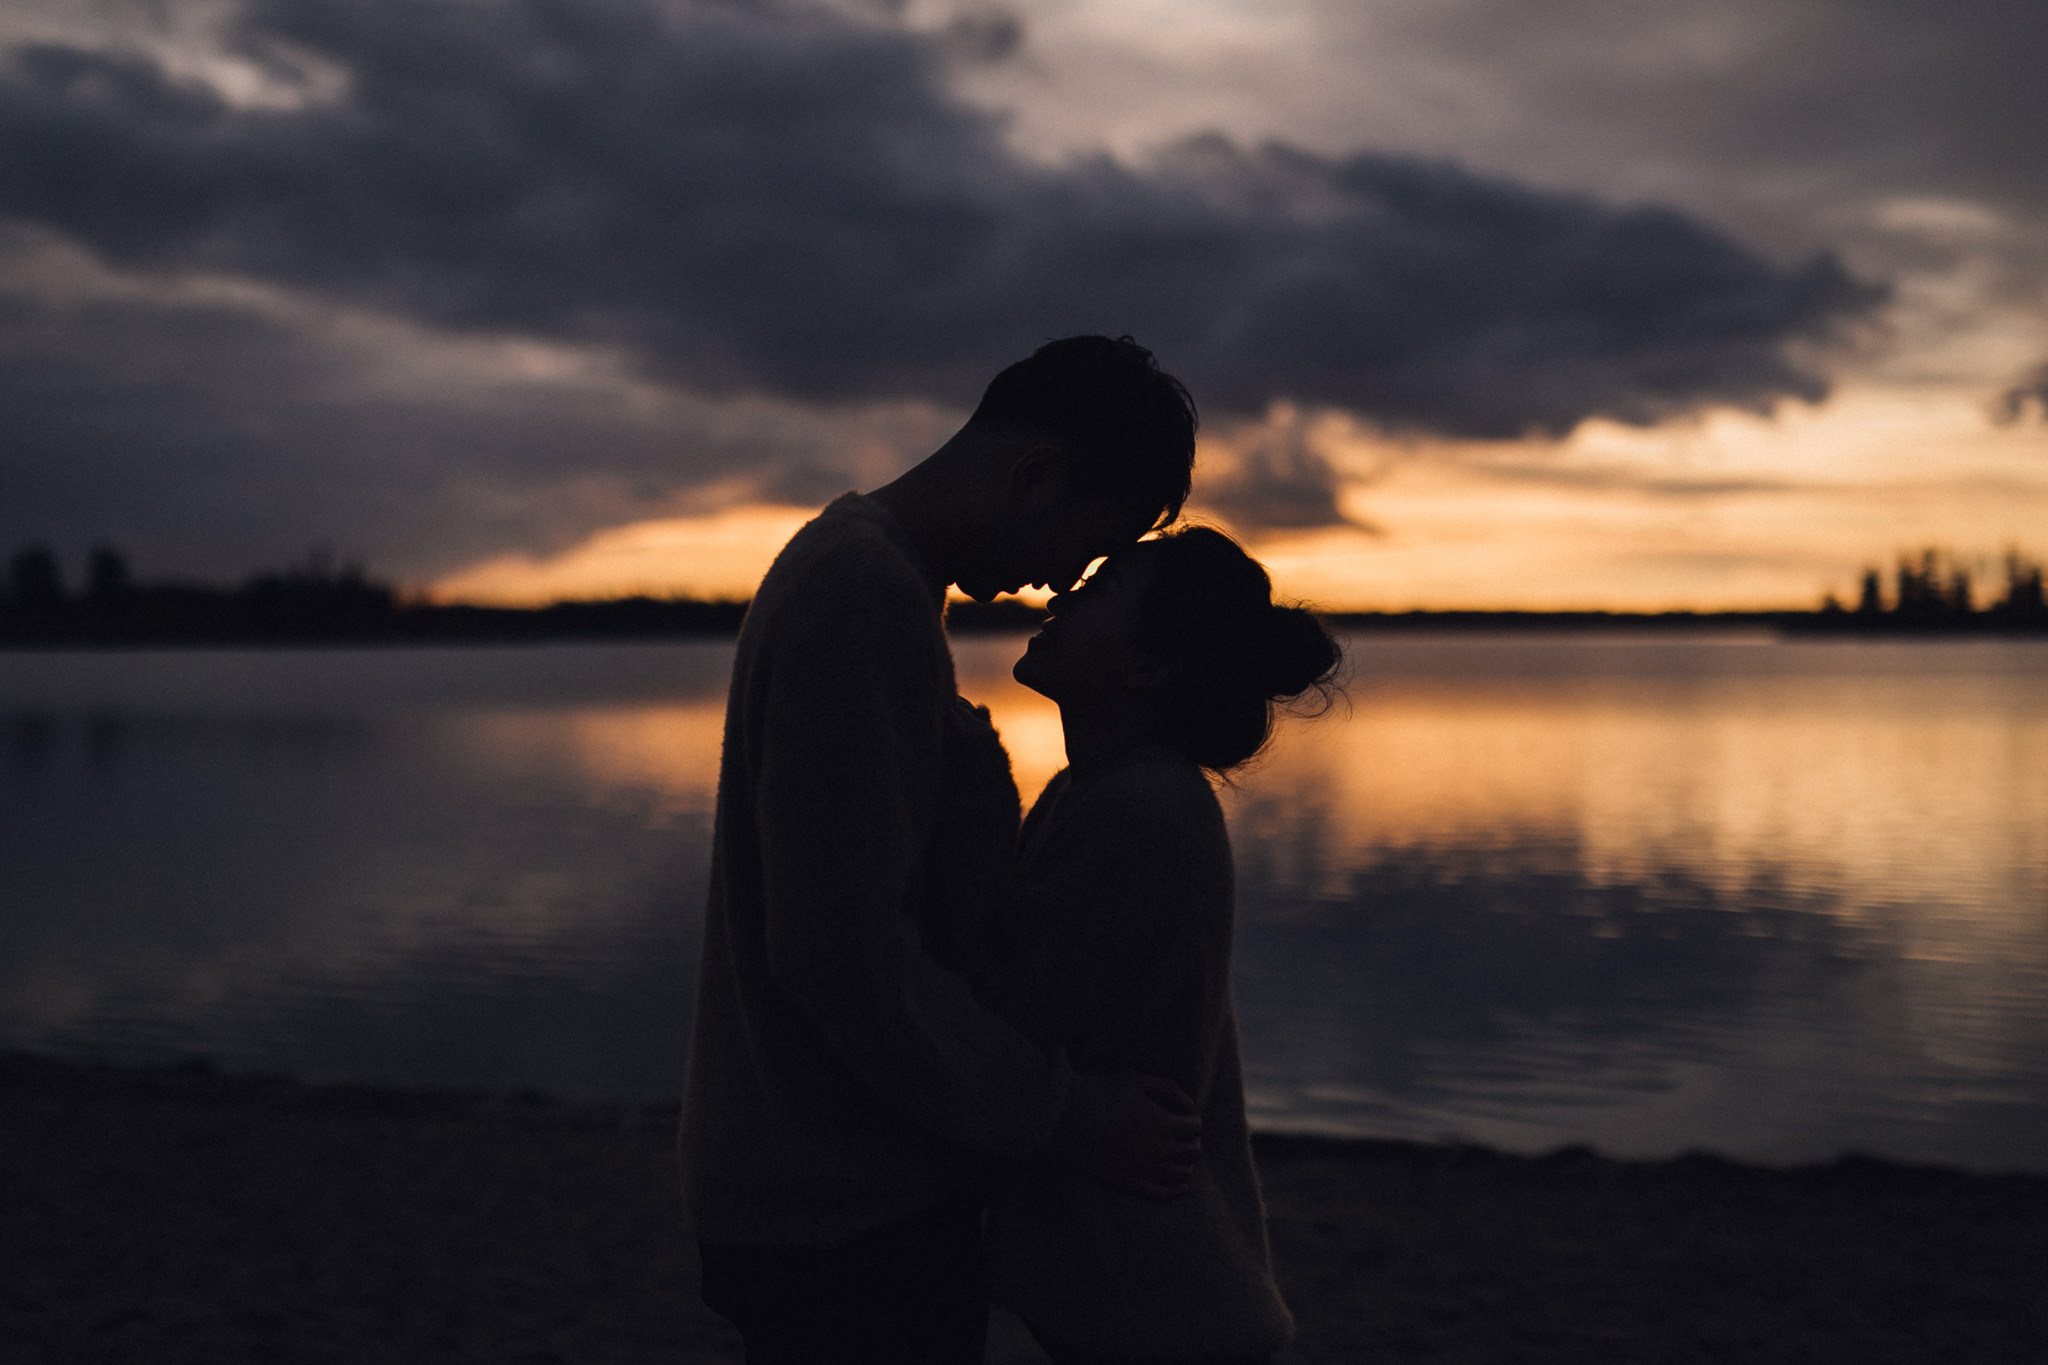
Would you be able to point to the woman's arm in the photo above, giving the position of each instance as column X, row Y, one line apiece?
column 1115, row 946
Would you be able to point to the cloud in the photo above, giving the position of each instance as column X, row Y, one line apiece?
column 1628, row 478
column 757, row 197
column 2029, row 396
column 212, row 432
column 1277, row 481
column 1789, row 104
column 734, row 203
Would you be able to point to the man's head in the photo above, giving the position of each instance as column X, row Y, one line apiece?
column 1096, row 446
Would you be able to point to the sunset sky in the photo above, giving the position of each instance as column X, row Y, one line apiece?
column 1536, row 303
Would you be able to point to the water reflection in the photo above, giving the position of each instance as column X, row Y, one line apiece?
column 1510, row 997
column 1777, row 900
column 1780, row 900
column 447, row 867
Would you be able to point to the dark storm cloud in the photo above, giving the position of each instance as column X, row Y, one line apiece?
column 766, row 198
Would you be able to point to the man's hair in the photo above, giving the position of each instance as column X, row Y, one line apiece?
column 1127, row 426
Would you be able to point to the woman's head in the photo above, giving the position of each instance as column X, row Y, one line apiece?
column 1185, row 623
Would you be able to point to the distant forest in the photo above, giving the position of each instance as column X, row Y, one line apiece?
column 314, row 602
column 319, row 602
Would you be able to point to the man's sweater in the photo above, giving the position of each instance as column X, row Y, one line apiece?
column 1116, row 947
column 840, row 1076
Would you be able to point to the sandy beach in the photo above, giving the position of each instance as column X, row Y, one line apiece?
column 182, row 1215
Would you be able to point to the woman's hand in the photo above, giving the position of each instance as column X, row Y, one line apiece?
column 1137, row 1134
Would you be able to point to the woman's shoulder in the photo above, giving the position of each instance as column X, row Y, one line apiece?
column 1152, row 810
column 1154, row 779
column 1154, row 794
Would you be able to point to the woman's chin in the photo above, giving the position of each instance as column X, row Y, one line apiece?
column 1030, row 671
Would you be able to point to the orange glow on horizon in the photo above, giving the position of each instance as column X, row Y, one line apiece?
column 722, row 555
column 1735, row 511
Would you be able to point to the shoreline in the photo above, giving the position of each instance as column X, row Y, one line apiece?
column 651, row 620
column 166, row 1214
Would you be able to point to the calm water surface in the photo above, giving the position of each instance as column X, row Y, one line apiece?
column 1775, row 900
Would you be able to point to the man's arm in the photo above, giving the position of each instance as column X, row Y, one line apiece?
column 849, row 766
column 848, row 769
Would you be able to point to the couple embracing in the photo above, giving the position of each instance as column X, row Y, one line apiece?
column 938, row 1060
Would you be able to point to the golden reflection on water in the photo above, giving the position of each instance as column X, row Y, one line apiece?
column 673, row 747
column 1900, row 798
column 669, row 750
column 1916, row 798
column 1902, row 787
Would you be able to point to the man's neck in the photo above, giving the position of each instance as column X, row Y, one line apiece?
column 929, row 511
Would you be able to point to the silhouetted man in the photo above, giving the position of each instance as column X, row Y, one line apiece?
column 846, row 1090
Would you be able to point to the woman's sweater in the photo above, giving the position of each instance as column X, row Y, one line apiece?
column 1116, row 947
column 841, row 1076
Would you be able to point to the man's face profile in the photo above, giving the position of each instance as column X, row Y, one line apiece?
column 1049, row 542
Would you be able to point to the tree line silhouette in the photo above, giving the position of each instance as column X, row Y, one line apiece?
column 1932, row 591
column 318, row 601
column 313, row 602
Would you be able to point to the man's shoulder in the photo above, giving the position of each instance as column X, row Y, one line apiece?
column 845, row 587
column 846, row 551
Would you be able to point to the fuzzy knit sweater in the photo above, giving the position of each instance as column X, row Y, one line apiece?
column 1116, row 947
column 841, row 1074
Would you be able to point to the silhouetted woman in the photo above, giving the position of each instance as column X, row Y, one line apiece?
column 1167, row 665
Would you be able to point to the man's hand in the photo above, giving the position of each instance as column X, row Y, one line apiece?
column 1138, row 1134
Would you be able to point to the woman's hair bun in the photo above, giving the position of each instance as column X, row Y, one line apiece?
column 1209, row 609
column 1299, row 655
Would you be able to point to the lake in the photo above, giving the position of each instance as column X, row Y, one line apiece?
column 1776, row 900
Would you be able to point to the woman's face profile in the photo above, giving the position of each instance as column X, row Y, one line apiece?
column 1089, row 645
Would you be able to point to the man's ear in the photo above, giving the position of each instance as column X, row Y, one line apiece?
column 1038, row 475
